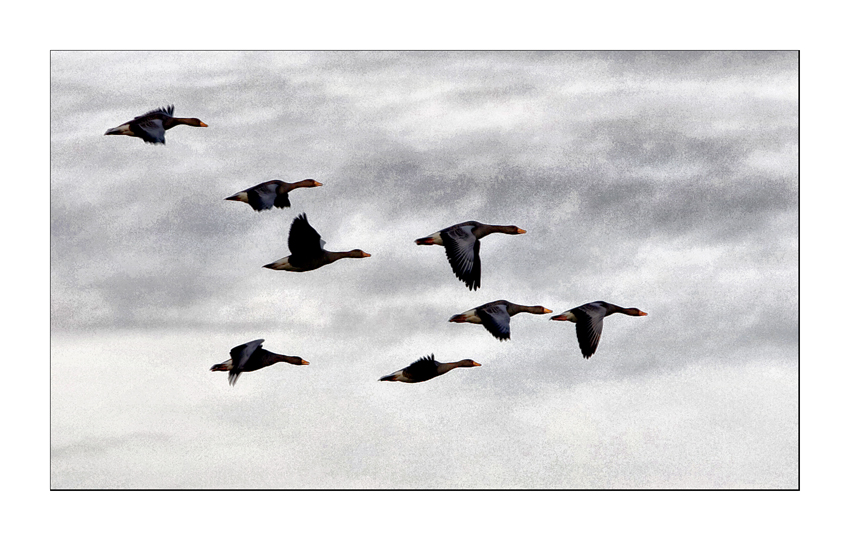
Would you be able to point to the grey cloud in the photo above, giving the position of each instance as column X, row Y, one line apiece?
column 105, row 444
column 662, row 181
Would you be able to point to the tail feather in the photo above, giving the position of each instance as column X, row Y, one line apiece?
column 433, row 238
column 280, row 264
column 123, row 129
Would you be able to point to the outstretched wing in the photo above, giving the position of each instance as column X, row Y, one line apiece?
column 462, row 252
column 241, row 354
column 151, row 130
column 423, row 369
column 168, row 111
column 262, row 196
column 282, row 201
column 589, row 320
column 496, row 319
column 303, row 239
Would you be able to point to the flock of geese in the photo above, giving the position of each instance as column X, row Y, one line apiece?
column 462, row 243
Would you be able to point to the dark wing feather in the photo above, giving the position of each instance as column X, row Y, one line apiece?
column 588, row 327
column 476, row 268
column 303, row 239
column 282, row 201
column 462, row 252
column 496, row 319
column 150, row 130
column 241, row 354
column 423, row 369
column 262, row 196
column 169, row 111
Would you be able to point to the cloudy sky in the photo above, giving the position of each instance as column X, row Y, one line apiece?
column 663, row 181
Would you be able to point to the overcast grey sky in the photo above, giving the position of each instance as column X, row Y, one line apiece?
column 663, row 181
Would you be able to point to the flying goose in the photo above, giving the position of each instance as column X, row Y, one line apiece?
column 249, row 357
column 588, row 319
column 274, row 193
column 462, row 243
column 496, row 316
column 151, row 126
column 307, row 249
column 426, row 368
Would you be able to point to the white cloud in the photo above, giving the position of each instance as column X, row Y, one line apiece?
column 662, row 181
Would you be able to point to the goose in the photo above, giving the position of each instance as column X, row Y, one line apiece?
column 151, row 126
column 249, row 357
column 274, row 193
column 462, row 243
column 588, row 319
column 496, row 316
column 426, row 368
column 307, row 249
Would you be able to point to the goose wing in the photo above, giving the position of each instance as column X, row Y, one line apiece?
column 462, row 252
column 423, row 369
column 263, row 196
column 240, row 356
column 282, row 201
column 167, row 111
column 589, row 318
column 496, row 319
column 303, row 239
column 150, row 130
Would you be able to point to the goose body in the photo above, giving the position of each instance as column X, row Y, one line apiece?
column 308, row 252
column 426, row 368
column 249, row 357
column 588, row 319
column 150, row 127
column 462, row 244
column 274, row 193
column 496, row 316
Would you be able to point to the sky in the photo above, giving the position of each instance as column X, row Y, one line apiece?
column 657, row 180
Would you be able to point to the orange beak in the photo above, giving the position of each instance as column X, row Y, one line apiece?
column 203, row 125
column 521, row 231
column 475, row 363
column 642, row 313
column 547, row 311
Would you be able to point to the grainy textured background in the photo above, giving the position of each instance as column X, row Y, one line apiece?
column 664, row 181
